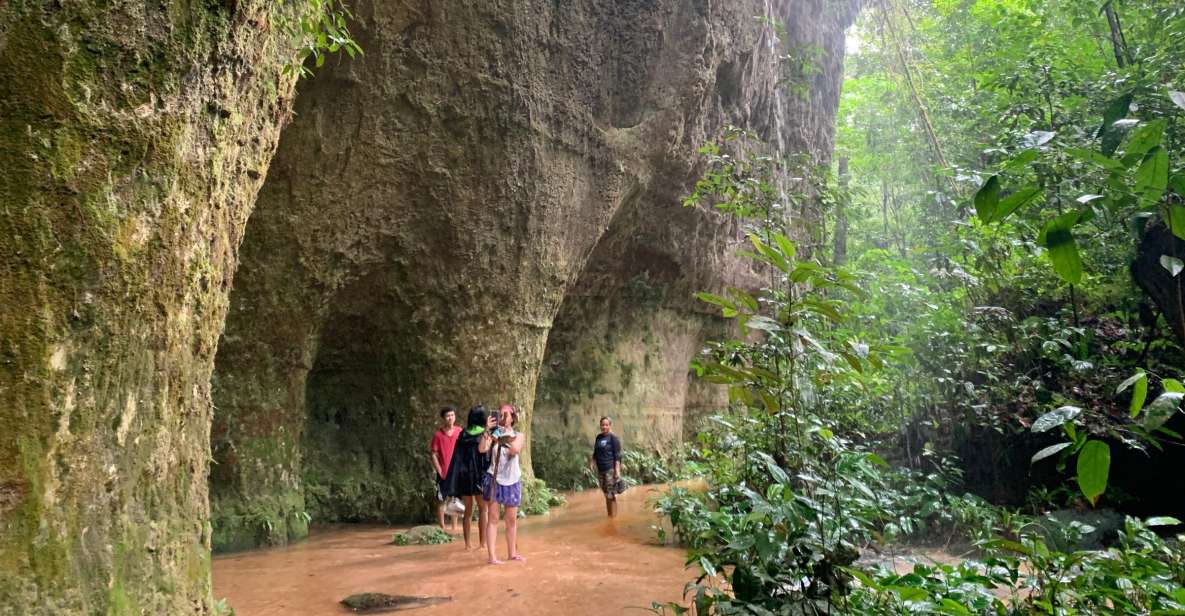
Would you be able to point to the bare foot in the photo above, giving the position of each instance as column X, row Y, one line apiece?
column 495, row 562
column 519, row 557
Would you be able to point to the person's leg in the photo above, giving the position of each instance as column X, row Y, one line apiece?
column 440, row 513
column 604, row 480
column 467, row 523
column 483, row 517
column 613, row 507
column 512, row 533
column 492, row 534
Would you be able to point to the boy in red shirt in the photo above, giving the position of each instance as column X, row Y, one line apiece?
column 441, row 449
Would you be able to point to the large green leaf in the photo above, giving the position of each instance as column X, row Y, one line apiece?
column 1139, row 393
column 1177, row 182
column 1152, row 178
column 1142, row 140
column 1172, row 264
column 1094, row 466
column 787, row 246
column 1048, row 451
column 728, row 308
column 1063, row 250
column 1021, row 159
column 1112, row 135
column 1178, row 98
column 1161, row 409
column 987, row 198
column 1174, row 217
column 1055, row 418
column 1095, row 158
column 1015, row 201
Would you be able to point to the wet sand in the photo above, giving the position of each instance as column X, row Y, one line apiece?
column 577, row 563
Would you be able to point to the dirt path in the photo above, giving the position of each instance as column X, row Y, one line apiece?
column 577, row 563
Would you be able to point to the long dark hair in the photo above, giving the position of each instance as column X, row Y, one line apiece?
column 477, row 416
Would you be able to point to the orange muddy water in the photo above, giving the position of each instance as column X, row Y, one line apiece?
column 577, row 563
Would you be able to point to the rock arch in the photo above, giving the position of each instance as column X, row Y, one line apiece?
column 470, row 168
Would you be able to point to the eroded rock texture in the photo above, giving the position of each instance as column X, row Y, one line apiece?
column 133, row 138
column 435, row 202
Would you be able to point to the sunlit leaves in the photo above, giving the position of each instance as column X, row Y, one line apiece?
column 1139, row 384
column 1055, row 418
column 1172, row 264
column 1178, row 98
column 1094, row 467
column 1048, row 451
column 1161, row 409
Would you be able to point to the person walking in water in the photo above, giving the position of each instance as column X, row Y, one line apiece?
column 506, row 481
column 467, row 470
column 441, row 450
column 606, row 463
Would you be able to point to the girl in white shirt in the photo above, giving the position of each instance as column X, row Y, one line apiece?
column 505, row 475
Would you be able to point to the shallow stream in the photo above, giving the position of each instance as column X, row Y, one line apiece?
column 578, row 563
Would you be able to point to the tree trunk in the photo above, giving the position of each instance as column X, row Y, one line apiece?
column 1118, row 41
column 1155, row 280
column 133, row 140
column 840, row 251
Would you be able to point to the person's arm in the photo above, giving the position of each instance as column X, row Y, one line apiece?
column 483, row 443
column 516, row 445
column 434, row 451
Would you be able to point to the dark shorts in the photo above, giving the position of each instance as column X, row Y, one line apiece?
column 487, row 488
column 607, row 483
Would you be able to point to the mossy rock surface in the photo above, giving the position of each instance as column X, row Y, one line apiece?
column 422, row 535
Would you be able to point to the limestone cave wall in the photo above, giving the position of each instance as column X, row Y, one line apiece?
column 437, row 202
column 133, row 138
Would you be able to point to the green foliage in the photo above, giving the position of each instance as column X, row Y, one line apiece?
column 422, row 535
column 316, row 30
column 538, row 499
column 1007, row 318
column 222, row 608
column 562, row 464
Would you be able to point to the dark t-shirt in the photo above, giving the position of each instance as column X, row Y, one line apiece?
column 606, row 451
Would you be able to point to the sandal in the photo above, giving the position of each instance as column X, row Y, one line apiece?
column 519, row 557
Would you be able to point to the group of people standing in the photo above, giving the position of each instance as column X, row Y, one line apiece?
column 479, row 464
